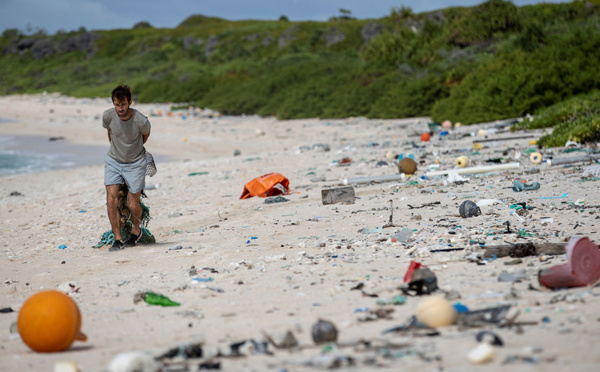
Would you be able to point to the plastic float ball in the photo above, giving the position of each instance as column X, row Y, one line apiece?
column 468, row 209
column 50, row 321
column 425, row 137
column 408, row 166
column 390, row 156
column 535, row 158
column 457, row 125
column 462, row 161
column 447, row 124
column 436, row 312
column 324, row 331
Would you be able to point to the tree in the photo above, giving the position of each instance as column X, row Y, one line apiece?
column 12, row 32
column 142, row 25
column 345, row 13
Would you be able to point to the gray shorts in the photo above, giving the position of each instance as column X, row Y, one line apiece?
column 133, row 174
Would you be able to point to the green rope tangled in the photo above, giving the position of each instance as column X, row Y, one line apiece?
column 108, row 238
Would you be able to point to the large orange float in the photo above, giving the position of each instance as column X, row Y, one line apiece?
column 50, row 321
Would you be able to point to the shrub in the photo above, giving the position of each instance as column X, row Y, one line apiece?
column 142, row 25
column 581, row 130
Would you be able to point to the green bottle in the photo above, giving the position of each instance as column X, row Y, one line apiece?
column 157, row 299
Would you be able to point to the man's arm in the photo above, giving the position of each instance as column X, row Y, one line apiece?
column 109, row 140
column 144, row 137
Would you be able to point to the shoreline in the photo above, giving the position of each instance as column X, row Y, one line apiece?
column 42, row 154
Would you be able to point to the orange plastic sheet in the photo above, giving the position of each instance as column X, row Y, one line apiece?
column 267, row 185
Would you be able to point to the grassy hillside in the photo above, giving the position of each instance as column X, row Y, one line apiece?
column 488, row 62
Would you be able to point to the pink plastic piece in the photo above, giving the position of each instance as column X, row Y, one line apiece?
column 582, row 269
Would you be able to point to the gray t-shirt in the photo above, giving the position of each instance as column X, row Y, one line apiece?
column 127, row 144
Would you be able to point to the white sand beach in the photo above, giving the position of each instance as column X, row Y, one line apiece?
column 283, row 266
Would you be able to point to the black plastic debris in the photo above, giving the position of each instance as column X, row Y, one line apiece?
column 477, row 318
column 413, row 327
column 6, row 310
column 189, row 351
column 469, row 209
column 423, row 282
column 256, row 347
column 209, row 366
column 324, row 331
column 490, row 338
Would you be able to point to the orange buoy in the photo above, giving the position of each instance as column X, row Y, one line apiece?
column 50, row 321
column 425, row 137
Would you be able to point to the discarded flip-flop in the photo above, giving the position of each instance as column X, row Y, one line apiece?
column 522, row 186
column 582, row 268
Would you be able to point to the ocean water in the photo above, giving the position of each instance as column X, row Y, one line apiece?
column 31, row 154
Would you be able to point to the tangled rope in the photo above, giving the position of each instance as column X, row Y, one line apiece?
column 108, row 238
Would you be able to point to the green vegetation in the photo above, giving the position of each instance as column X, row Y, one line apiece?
column 489, row 62
column 576, row 119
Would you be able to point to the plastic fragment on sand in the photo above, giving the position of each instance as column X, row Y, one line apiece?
column 482, row 353
column 555, row 197
column 372, row 231
column 202, row 280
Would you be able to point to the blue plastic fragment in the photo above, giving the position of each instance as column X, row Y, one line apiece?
column 460, row 308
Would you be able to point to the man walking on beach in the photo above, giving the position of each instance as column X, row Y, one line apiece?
column 125, row 162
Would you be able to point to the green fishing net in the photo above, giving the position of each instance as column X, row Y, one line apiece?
column 147, row 238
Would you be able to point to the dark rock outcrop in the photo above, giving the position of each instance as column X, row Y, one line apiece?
column 41, row 48
column 334, row 36
column 211, row 45
column 190, row 41
column 370, row 30
column 287, row 37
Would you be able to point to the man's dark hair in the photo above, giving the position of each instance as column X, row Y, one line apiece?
column 120, row 92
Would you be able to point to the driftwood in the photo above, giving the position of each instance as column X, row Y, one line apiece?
column 525, row 249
